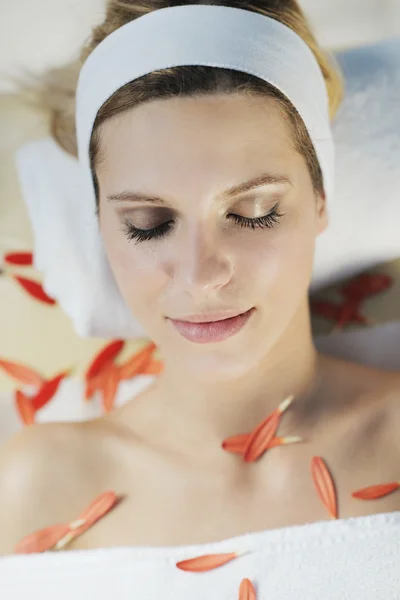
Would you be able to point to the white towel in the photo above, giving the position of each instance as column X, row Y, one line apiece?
column 364, row 225
column 348, row 559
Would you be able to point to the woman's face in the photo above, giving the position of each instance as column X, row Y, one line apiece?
column 211, row 251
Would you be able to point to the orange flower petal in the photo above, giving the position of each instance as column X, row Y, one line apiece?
column 108, row 384
column 106, row 355
column 260, row 439
column 324, row 485
column 91, row 385
column 246, row 590
column 21, row 373
column 155, row 367
column 100, row 506
column 206, row 562
column 285, row 441
column 236, row 444
column 34, row 289
column 42, row 540
column 138, row 362
column 376, row 491
column 25, row 408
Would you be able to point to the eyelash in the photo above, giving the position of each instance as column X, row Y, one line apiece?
column 269, row 221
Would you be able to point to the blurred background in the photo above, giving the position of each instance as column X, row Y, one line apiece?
column 34, row 36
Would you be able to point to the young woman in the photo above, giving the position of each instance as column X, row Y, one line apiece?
column 191, row 243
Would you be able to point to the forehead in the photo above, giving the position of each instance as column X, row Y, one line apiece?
column 191, row 137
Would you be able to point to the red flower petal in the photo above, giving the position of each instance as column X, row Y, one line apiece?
column 48, row 390
column 34, row 289
column 105, row 356
column 19, row 258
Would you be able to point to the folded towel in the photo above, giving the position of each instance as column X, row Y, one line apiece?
column 346, row 559
column 364, row 214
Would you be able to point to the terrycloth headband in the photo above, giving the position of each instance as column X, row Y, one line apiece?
column 206, row 35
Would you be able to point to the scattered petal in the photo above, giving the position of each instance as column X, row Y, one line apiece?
column 95, row 511
column 34, row 289
column 92, row 385
column 246, row 590
column 376, row 491
column 25, row 408
column 206, row 562
column 48, row 390
column 19, row 258
column 138, row 362
column 285, row 441
column 22, row 373
column 324, row 485
column 236, row 444
column 42, row 540
column 155, row 367
column 262, row 436
column 284, row 405
column 109, row 383
column 106, row 355
column 100, row 506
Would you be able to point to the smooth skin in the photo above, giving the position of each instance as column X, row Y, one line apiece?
column 161, row 451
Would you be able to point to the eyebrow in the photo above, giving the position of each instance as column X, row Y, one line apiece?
column 241, row 188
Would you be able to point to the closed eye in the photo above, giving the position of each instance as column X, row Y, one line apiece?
column 268, row 221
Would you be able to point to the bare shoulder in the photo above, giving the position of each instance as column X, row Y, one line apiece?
column 391, row 402
column 42, row 476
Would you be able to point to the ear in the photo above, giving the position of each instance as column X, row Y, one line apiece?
column 321, row 213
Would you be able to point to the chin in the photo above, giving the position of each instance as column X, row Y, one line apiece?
column 212, row 365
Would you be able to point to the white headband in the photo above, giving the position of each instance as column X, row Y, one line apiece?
column 206, row 35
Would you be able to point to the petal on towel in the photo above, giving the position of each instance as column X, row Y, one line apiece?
column 25, row 408
column 19, row 258
column 258, row 441
column 138, row 362
column 48, row 390
column 34, row 289
column 109, row 382
column 374, row 492
column 22, row 373
column 246, row 590
column 105, row 356
column 42, row 540
column 207, row 562
column 155, row 367
column 324, row 485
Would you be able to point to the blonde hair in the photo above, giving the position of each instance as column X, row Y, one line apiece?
column 57, row 89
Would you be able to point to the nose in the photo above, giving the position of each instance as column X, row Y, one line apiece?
column 203, row 265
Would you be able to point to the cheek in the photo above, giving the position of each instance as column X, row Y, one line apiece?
column 284, row 260
column 137, row 271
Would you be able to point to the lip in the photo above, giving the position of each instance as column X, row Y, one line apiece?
column 205, row 329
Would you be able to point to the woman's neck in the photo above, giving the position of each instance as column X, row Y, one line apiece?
column 205, row 413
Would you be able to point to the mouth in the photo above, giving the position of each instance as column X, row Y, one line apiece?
column 205, row 329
